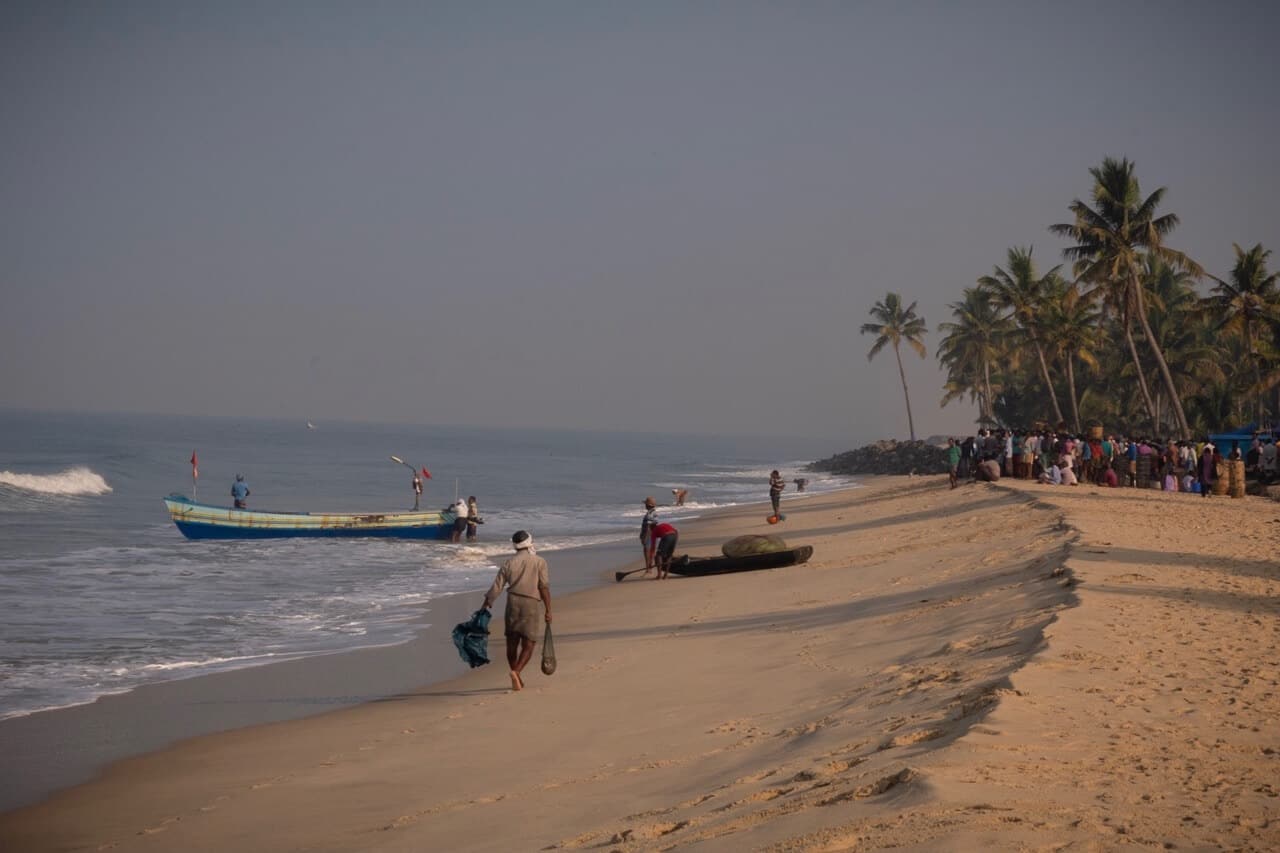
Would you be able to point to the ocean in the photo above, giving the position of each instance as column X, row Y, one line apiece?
column 101, row 593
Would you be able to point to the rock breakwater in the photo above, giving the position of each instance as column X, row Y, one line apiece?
column 887, row 457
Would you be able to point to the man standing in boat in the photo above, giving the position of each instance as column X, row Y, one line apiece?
column 526, row 579
column 240, row 491
column 417, row 490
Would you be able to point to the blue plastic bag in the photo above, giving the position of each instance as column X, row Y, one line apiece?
column 472, row 638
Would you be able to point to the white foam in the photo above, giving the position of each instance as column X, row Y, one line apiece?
column 215, row 661
column 73, row 481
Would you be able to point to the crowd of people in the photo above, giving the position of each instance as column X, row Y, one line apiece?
column 1060, row 458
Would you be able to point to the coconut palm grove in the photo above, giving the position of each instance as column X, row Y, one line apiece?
column 1123, row 329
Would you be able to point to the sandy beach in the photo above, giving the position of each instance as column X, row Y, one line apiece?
column 1008, row 666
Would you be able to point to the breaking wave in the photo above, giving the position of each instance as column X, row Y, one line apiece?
column 73, row 481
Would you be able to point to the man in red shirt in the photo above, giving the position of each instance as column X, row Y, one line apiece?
column 662, row 545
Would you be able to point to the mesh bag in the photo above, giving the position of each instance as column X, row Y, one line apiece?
column 548, row 653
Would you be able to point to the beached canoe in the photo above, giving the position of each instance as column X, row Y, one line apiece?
column 205, row 521
column 686, row 565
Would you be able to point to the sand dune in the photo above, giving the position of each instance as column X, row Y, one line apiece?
column 1015, row 667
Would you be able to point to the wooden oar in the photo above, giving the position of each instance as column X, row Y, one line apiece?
column 620, row 575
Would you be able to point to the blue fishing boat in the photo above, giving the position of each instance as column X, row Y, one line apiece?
column 206, row 521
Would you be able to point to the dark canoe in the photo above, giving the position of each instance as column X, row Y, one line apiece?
column 695, row 566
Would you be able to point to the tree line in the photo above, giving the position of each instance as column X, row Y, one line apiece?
column 1119, row 330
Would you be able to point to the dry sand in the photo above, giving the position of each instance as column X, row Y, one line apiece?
column 1008, row 666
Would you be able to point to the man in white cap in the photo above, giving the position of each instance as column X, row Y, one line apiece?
column 526, row 580
column 646, row 535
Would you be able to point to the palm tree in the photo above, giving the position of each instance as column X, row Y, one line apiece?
column 1181, row 329
column 1111, row 240
column 1072, row 332
column 1217, row 398
column 894, row 325
column 1244, row 303
column 973, row 342
column 1018, row 289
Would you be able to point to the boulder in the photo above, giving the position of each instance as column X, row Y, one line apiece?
column 753, row 543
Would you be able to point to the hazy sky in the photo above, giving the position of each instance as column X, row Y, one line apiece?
column 642, row 215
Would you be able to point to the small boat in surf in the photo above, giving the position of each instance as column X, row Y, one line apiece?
column 206, row 521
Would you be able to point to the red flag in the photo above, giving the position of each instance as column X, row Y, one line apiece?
column 426, row 473
column 195, row 470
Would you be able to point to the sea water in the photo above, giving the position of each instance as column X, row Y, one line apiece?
column 101, row 593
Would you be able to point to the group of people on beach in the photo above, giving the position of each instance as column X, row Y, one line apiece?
column 1062, row 458
column 525, row 577
column 658, row 538
column 466, row 520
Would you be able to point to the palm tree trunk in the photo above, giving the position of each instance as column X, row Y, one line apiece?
column 1071, row 389
column 1179, row 415
column 1257, row 373
column 986, row 416
column 1137, row 367
column 1159, row 412
column 911, row 425
column 1048, row 383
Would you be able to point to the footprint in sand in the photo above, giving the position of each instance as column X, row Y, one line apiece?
column 918, row 736
column 884, row 783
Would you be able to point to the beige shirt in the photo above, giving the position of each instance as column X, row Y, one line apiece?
column 524, row 574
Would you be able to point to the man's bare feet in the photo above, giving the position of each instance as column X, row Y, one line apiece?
column 516, row 683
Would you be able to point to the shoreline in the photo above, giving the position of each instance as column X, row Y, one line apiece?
column 58, row 748
column 1008, row 666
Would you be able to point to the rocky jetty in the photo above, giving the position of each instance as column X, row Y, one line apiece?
column 887, row 457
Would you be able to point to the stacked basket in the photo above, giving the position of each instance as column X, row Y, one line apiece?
column 1235, row 478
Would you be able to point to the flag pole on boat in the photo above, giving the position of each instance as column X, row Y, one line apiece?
column 417, row 484
column 195, row 475
column 425, row 472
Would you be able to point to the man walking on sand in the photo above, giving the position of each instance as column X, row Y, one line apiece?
column 526, row 581
column 953, row 461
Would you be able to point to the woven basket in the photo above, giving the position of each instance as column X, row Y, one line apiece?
column 1220, row 483
column 1235, row 478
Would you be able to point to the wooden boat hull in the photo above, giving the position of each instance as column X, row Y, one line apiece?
column 697, row 566
column 205, row 521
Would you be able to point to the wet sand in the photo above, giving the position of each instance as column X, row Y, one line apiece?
column 1008, row 666
column 56, row 749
